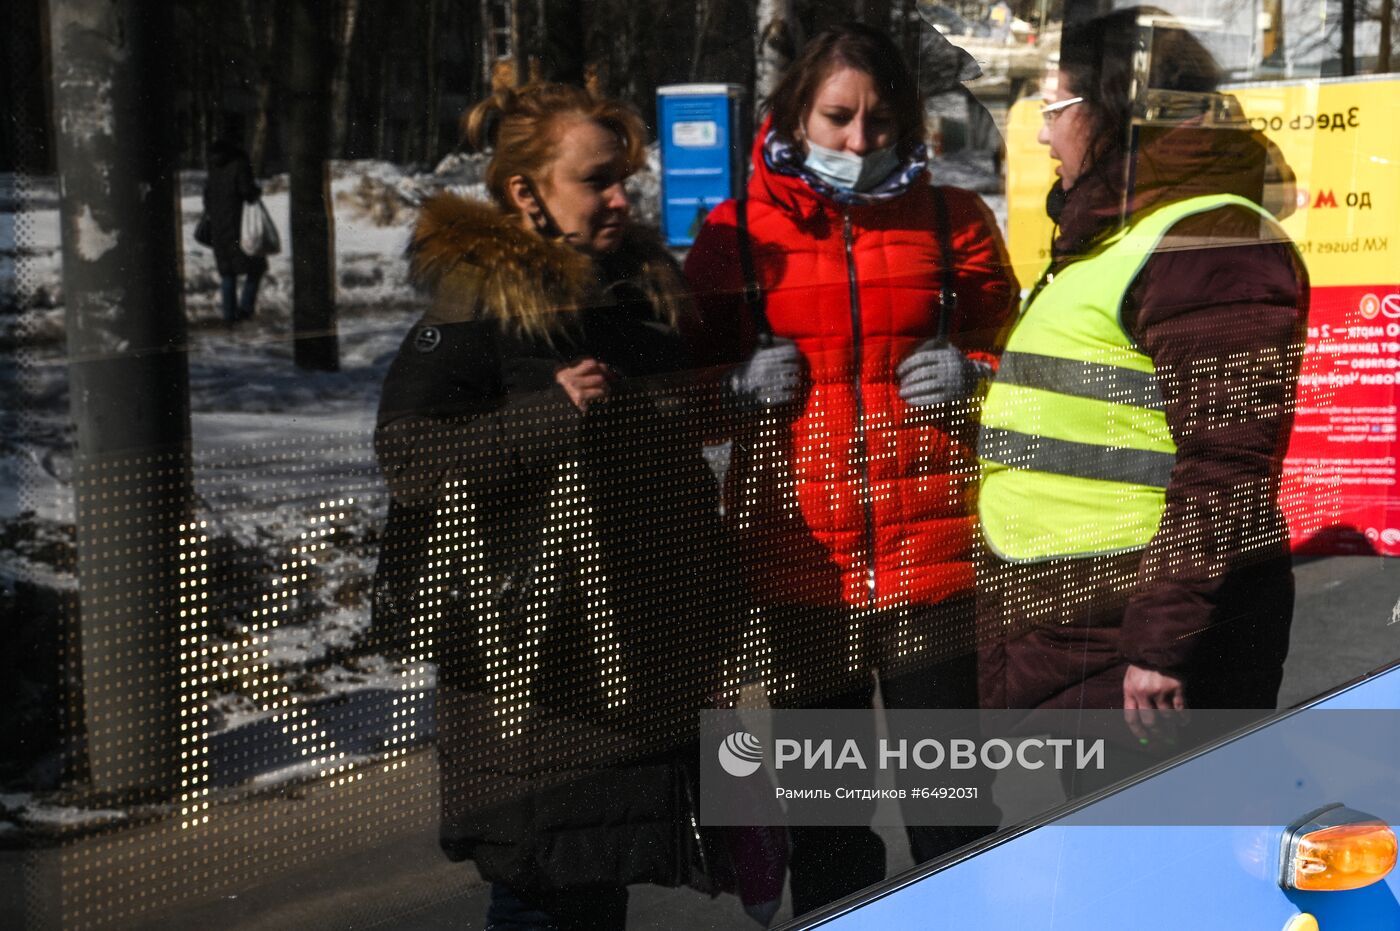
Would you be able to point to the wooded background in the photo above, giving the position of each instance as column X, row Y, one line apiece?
column 398, row 75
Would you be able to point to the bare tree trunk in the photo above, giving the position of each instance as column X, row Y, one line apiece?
column 633, row 45
column 261, row 39
column 488, row 47
column 775, row 46
column 566, row 38
column 313, row 236
column 908, row 33
column 346, row 18
column 1276, row 40
column 257, row 147
column 704, row 12
column 515, row 40
column 129, row 388
column 1383, row 55
column 1348, row 38
column 381, row 121
column 431, row 128
column 200, row 123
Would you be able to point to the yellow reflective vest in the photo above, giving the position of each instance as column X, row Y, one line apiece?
column 1074, row 444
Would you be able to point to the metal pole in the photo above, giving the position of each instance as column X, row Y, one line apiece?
column 128, row 379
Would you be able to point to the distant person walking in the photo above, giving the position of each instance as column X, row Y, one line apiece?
column 228, row 186
column 1000, row 17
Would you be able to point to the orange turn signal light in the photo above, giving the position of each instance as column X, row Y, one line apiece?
column 1336, row 848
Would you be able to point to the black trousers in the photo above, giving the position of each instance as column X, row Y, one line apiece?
column 587, row 908
column 829, row 863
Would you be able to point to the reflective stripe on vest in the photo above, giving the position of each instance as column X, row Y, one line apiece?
column 1075, row 449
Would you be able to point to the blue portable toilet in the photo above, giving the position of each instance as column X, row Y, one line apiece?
column 702, row 158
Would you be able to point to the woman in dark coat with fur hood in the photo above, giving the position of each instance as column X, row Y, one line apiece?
column 553, row 542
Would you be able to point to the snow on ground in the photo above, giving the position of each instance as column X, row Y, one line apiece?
column 66, row 816
column 284, row 471
column 280, row 456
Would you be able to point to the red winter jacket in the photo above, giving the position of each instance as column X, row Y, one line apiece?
column 854, row 498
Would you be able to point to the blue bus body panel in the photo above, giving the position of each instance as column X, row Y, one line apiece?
column 1105, row 875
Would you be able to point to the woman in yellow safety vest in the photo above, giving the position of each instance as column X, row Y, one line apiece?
column 1133, row 438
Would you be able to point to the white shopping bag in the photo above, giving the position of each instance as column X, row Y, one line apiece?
column 259, row 235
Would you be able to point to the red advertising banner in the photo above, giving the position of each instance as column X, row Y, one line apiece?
column 1342, row 475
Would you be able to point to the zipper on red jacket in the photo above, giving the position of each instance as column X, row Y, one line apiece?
column 862, row 451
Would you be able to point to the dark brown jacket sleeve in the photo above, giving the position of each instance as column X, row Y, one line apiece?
column 1222, row 310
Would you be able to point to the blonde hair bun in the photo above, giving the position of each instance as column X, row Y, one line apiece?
column 518, row 126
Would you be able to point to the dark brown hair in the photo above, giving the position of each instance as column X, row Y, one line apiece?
column 521, row 126
column 850, row 45
column 1097, row 58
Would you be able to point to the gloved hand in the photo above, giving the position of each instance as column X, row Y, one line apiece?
column 771, row 376
column 936, row 373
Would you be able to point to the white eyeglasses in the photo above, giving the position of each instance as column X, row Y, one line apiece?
column 1051, row 110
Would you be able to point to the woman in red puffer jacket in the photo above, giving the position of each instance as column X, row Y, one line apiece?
column 855, row 373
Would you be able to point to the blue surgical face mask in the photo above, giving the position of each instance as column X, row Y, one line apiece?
column 848, row 172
